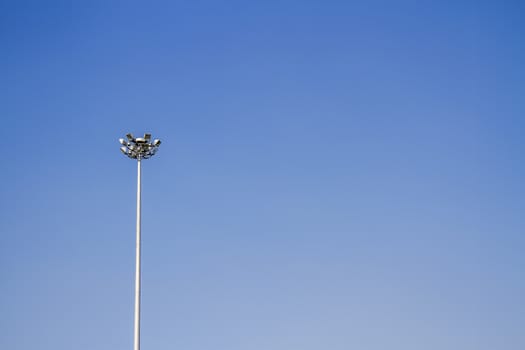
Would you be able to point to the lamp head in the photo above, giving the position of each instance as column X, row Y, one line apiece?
column 140, row 147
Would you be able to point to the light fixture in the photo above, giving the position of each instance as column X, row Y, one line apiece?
column 140, row 147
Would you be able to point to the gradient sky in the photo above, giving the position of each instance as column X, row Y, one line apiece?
column 333, row 175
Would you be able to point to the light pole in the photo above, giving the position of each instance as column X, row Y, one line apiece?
column 138, row 148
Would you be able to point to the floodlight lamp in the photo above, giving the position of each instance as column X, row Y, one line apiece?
column 140, row 147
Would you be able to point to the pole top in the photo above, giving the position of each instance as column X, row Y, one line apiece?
column 140, row 147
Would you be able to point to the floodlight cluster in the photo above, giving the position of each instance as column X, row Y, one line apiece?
column 140, row 147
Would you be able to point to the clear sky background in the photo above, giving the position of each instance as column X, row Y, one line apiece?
column 333, row 174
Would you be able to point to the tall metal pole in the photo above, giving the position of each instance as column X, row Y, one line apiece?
column 136, row 342
column 138, row 148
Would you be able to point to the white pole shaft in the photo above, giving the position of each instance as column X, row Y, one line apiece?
column 136, row 340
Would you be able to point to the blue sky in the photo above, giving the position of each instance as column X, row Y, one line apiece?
column 333, row 175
